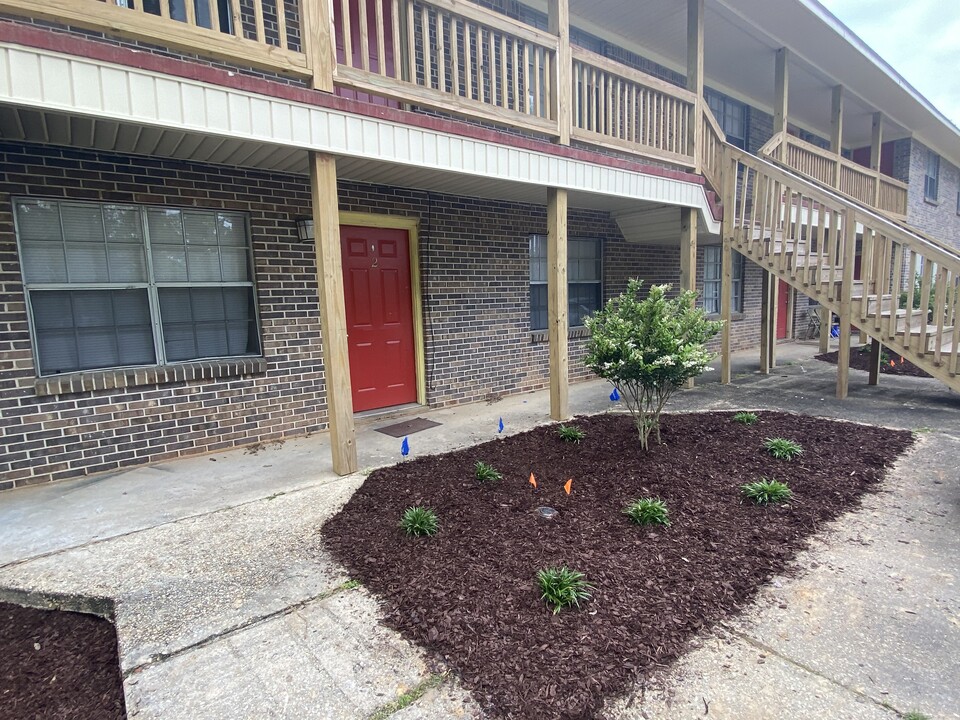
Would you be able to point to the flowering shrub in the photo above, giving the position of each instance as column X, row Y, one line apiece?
column 649, row 348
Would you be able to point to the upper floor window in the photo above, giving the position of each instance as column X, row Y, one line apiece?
column 732, row 116
column 123, row 285
column 584, row 279
column 931, row 181
column 712, row 280
column 178, row 11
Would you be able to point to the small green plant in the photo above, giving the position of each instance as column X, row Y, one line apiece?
column 782, row 449
column 571, row 433
column 648, row 511
column 916, row 716
column 767, row 490
column 563, row 587
column 486, row 473
column 419, row 521
column 746, row 418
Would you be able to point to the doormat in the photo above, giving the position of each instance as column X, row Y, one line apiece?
column 407, row 427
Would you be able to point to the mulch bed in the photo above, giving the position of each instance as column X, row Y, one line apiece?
column 56, row 664
column 468, row 594
column 860, row 360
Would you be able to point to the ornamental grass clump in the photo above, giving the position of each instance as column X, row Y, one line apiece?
column 562, row 587
column 571, row 433
column 782, row 449
column 765, row 491
column 648, row 511
column 419, row 521
column 486, row 473
column 649, row 349
column 745, row 418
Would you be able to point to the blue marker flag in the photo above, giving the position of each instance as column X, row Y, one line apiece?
column 405, row 447
column 614, row 396
column 500, row 426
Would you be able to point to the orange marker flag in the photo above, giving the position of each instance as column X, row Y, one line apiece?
column 893, row 364
column 533, row 481
column 568, row 485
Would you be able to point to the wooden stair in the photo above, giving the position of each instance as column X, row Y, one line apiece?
column 808, row 236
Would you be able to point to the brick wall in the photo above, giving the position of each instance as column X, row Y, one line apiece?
column 474, row 262
column 939, row 218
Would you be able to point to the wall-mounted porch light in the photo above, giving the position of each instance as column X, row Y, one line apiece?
column 305, row 229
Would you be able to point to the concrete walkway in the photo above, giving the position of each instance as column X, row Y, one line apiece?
column 227, row 606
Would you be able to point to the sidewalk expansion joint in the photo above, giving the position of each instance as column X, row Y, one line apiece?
column 408, row 698
column 235, row 629
column 767, row 649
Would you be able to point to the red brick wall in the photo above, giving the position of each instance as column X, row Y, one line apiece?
column 474, row 263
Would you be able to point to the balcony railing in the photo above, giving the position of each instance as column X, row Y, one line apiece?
column 867, row 186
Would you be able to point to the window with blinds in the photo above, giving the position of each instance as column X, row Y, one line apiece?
column 121, row 285
column 584, row 280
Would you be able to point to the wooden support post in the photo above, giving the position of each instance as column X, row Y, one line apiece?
column 849, row 235
column 766, row 311
column 876, row 148
column 875, row 352
column 826, row 324
column 318, row 43
column 781, row 101
column 774, row 314
column 791, row 312
column 695, row 77
column 558, row 19
column 726, row 261
column 836, row 131
column 333, row 313
column 557, row 308
column 688, row 254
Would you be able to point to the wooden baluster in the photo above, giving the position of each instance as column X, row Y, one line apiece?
column 411, row 43
column 895, row 284
column 866, row 268
column 953, row 365
column 908, row 317
column 395, row 34
column 381, row 36
column 517, row 96
column 503, row 71
column 213, row 9
column 468, row 60
column 924, row 312
column 940, row 312
column 481, row 69
column 347, row 34
column 427, row 51
column 281, row 22
column 788, row 251
column 191, row 12
column 492, row 72
column 808, row 249
column 165, row 9
column 441, row 53
column 364, row 27
column 632, row 108
column 537, row 80
column 257, row 18
column 744, row 197
column 885, row 269
column 455, row 55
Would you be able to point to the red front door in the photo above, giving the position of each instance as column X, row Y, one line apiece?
column 783, row 296
column 376, row 280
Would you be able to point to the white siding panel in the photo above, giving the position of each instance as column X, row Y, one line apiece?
column 74, row 85
column 55, row 75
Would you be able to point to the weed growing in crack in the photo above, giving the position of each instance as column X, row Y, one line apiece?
column 562, row 587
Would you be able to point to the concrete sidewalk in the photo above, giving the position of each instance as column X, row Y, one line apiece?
column 227, row 606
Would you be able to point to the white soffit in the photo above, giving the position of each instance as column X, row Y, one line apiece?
column 74, row 85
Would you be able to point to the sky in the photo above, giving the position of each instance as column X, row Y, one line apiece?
column 920, row 39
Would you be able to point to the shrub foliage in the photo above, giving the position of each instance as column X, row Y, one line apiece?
column 648, row 348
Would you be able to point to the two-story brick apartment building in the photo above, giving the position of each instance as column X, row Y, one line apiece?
column 224, row 222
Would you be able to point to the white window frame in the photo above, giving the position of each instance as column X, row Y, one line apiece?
column 543, row 239
column 720, row 105
column 713, row 275
column 151, row 285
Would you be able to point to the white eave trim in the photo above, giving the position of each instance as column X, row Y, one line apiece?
column 55, row 82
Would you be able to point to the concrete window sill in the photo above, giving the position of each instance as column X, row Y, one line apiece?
column 158, row 375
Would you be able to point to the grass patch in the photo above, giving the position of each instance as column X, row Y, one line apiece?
column 486, row 473
column 571, row 433
column 419, row 521
column 409, row 697
column 648, row 511
column 766, row 490
column 563, row 587
column 782, row 449
column 745, row 418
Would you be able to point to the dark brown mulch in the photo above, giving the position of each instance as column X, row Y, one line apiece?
column 468, row 594
column 860, row 360
column 74, row 674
